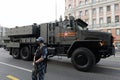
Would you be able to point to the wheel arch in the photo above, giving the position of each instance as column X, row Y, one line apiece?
column 92, row 45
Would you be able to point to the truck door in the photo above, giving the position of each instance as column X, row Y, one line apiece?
column 67, row 32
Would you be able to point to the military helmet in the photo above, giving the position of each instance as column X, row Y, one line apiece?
column 40, row 39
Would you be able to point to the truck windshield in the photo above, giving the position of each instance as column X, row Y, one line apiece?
column 81, row 28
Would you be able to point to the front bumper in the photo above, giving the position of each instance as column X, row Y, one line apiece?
column 107, row 51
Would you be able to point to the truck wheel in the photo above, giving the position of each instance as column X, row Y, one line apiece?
column 15, row 53
column 25, row 53
column 97, row 60
column 83, row 59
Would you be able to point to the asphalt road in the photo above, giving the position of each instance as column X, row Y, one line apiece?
column 59, row 68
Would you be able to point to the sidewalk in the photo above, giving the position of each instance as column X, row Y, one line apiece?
column 117, row 54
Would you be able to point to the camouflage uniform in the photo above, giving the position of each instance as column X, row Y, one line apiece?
column 39, row 71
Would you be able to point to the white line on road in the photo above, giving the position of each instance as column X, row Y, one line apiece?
column 28, row 70
column 17, row 67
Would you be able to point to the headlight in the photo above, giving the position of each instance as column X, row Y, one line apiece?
column 103, row 43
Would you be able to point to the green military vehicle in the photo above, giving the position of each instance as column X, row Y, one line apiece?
column 70, row 38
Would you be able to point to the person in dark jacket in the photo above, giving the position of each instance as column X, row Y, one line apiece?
column 39, row 62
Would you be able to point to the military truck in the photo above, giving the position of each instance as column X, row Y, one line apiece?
column 70, row 38
column 6, row 40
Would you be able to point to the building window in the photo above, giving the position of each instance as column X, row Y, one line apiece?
column 69, row 6
column 93, row 1
column 94, row 21
column 65, row 8
column 101, row 21
column 117, row 18
column 109, row 30
column 86, row 12
column 118, row 45
column 118, row 32
column 69, row 14
column 87, row 21
column 116, row 7
column 80, row 3
column 101, row 10
column 100, row 0
column 108, row 8
column 80, row 13
column 94, row 11
column 86, row 1
column 108, row 19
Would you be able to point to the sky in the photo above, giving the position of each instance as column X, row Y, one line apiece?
column 26, row 12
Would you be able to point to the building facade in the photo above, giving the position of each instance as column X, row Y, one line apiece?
column 2, row 34
column 102, row 15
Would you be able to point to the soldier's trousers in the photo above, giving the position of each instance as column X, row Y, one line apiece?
column 38, row 74
column 38, row 77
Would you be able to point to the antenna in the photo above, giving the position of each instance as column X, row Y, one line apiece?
column 55, row 10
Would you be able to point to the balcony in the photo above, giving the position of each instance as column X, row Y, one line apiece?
column 101, row 14
column 105, row 25
column 85, row 16
column 70, row 10
column 117, row 12
column 93, row 4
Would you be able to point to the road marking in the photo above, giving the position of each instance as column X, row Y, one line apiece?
column 17, row 67
column 108, row 67
column 28, row 70
column 12, row 77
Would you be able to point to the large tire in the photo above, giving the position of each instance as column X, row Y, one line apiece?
column 83, row 59
column 15, row 53
column 25, row 53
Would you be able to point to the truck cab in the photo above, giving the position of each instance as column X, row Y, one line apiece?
column 84, row 47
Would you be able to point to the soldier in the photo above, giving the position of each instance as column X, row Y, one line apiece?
column 39, row 61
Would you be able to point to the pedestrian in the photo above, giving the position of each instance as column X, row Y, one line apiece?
column 39, row 61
